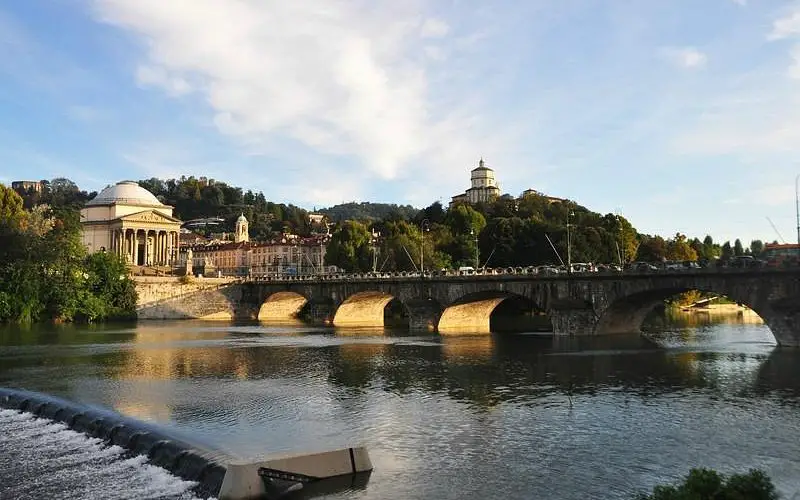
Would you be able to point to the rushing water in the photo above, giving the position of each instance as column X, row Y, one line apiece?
column 504, row 416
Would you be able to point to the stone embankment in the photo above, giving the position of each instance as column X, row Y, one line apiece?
column 159, row 296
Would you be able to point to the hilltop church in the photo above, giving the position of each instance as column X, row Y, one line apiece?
column 484, row 186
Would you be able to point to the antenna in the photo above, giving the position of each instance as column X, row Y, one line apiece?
column 776, row 230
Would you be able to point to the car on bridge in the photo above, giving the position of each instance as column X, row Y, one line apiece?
column 745, row 261
column 641, row 267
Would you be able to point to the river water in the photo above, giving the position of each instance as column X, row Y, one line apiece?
column 502, row 416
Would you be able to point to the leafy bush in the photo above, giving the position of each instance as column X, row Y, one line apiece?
column 46, row 274
column 706, row 484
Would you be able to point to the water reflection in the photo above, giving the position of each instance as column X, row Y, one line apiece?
column 440, row 410
column 481, row 370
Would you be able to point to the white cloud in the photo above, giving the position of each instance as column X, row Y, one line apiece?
column 785, row 27
column 685, row 57
column 159, row 77
column 740, row 2
column 434, row 28
column 337, row 77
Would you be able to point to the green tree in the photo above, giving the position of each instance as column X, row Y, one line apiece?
column 463, row 219
column 756, row 247
column 705, row 484
column 727, row 251
column 652, row 249
column 738, row 249
column 678, row 248
column 349, row 247
column 107, row 279
column 12, row 213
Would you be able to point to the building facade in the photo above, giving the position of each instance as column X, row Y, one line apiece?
column 27, row 186
column 128, row 220
column 288, row 255
column 280, row 257
column 484, row 187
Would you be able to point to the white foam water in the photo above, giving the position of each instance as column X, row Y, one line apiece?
column 40, row 458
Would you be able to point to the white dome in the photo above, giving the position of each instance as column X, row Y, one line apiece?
column 125, row 193
column 241, row 218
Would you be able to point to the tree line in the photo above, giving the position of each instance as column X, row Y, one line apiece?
column 194, row 198
column 508, row 231
column 534, row 230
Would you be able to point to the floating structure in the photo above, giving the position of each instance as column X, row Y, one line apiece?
column 269, row 478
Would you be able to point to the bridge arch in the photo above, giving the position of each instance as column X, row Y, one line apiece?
column 627, row 313
column 382, row 309
column 282, row 306
column 492, row 311
column 368, row 309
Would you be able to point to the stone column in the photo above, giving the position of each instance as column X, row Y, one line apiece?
column 156, row 247
column 148, row 252
column 135, row 242
column 169, row 248
column 161, row 250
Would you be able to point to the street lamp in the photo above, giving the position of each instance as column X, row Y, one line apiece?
column 374, row 243
column 477, row 250
column 569, row 244
column 797, row 209
column 424, row 226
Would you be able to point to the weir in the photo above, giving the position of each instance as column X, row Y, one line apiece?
column 214, row 473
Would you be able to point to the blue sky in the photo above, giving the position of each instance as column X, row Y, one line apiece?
column 683, row 115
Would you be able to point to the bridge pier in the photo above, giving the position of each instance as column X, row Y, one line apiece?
column 783, row 319
column 319, row 312
column 423, row 315
column 573, row 319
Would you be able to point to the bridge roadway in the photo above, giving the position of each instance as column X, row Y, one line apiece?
column 580, row 304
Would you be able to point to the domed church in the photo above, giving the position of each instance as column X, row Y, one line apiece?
column 128, row 220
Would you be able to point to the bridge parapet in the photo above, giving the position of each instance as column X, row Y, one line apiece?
column 578, row 304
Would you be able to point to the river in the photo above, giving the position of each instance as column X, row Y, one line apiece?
column 501, row 416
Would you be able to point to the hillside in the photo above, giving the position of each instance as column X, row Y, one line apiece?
column 367, row 211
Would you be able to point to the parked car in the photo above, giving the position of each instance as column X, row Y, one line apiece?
column 643, row 267
column 745, row 261
column 581, row 267
column 547, row 270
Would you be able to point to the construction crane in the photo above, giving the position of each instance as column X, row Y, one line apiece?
column 776, row 230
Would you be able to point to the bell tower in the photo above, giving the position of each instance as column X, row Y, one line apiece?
column 242, row 230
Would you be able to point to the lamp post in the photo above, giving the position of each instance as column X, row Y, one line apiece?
column 569, row 244
column 424, row 226
column 374, row 243
column 621, row 242
column 797, row 210
column 477, row 250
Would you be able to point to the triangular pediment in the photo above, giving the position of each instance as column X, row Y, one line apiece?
column 153, row 216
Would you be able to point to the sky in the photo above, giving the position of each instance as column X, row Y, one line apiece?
column 682, row 115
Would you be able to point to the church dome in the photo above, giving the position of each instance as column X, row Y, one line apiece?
column 241, row 218
column 125, row 193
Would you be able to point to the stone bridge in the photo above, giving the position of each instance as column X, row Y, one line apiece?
column 585, row 304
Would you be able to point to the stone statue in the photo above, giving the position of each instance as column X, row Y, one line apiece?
column 189, row 257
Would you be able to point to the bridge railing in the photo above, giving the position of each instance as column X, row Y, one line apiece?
column 530, row 271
